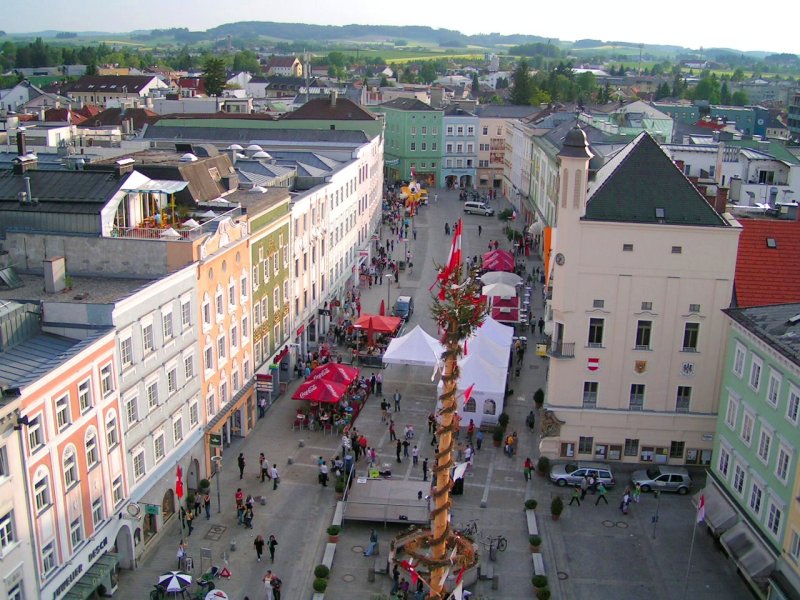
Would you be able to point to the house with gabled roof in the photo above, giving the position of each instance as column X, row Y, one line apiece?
column 101, row 89
column 639, row 266
column 284, row 65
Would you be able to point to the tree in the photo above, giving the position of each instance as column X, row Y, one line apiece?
column 708, row 89
column 214, row 75
column 247, row 60
column 427, row 72
column 476, row 85
column 724, row 94
column 384, row 81
column 739, row 99
column 522, row 91
column 662, row 91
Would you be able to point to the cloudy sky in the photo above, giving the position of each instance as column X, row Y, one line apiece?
column 714, row 23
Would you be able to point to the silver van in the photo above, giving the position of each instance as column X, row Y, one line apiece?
column 478, row 208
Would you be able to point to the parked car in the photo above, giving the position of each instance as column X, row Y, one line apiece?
column 573, row 473
column 663, row 478
column 403, row 307
column 478, row 208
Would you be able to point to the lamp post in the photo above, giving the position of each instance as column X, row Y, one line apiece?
column 388, row 277
column 218, row 469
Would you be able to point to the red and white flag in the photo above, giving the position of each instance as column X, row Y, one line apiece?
column 468, row 394
column 593, row 364
column 701, row 509
column 179, row 482
column 453, row 261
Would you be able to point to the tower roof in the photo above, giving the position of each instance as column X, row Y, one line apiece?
column 576, row 145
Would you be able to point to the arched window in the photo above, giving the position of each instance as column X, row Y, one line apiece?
column 469, row 405
column 112, row 434
column 92, row 453
column 489, row 407
column 70, row 467
column 41, row 489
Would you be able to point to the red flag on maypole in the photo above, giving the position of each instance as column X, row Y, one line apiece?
column 453, row 261
column 468, row 394
column 179, row 482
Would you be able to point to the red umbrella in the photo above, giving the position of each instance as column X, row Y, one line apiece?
column 379, row 323
column 382, row 310
column 498, row 260
column 335, row 372
column 320, row 391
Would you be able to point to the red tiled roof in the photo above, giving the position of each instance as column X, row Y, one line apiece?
column 281, row 61
column 193, row 83
column 768, row 275
column 60, row 115
column 89, row 110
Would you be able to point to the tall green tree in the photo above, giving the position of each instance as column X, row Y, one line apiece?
column 427, row 71
column 214, row 75
column 246, row 60
column 476, row 84
column 523, row 89
column 724, row 94
column 739, row 98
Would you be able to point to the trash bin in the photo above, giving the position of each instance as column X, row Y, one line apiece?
column 401, row 264
column 233, row 545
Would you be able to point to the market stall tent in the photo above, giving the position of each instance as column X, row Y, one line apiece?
column 415, row 348
column 488, row 390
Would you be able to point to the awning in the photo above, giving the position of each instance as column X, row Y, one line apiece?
column 98, row 573
column 750, row 553
column 720, row 515
column 167, row 186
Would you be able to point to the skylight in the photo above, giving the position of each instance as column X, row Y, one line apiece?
column 772, row 243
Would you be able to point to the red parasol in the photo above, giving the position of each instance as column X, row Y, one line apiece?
column 498, row 260
column 335, row 372
column 327, row 392
column 382, row 309
column 379, row 323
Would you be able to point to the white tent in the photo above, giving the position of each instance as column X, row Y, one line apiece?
column 415, row 348
column 489, row 350
column 499, row 289
column 501, row 277
column 497, row 332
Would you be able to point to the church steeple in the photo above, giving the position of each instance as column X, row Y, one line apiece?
column 574, row 172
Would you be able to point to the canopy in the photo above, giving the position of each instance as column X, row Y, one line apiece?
column 497, row 332
column 501, row 277
column 505, row 314
column 415, row 348
column 498, row 260
column 499, row 289
column 483, row 375
column 489, row 350
column 335, row 372
column 505, row 302
column 379, row 323
column 327, row 392
column 174, row 581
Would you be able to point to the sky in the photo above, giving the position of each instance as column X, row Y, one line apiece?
column 693, row 24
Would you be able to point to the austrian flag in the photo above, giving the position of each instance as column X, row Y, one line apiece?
column 593, row 364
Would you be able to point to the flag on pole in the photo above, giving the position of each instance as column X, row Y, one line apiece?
column 179, row 482
column 701, row 509
column 468, row 394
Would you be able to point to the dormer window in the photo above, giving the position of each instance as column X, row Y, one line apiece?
column 660, row 214
column 772, row 243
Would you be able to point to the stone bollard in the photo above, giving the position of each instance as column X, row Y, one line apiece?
column 301, row 443
column 290, row 461
column 233, row 545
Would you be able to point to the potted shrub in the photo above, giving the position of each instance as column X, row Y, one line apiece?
column 497, row 435
column 339, row 487
column 320, row 585
column 321, row 572
column 204, row 486
column 535, row 541
column 503, row 420
column 539, row 581
column 543, row 466
column 334, row 530
column 556, row 507
column 543, row 594
column 538, row 397
column 531, row 504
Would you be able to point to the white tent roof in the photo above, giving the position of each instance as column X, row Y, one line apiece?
column 499, row 289
column 501, row 277
column 497, row 332
column 489, row 350
column 414, row 348
column 486, row 377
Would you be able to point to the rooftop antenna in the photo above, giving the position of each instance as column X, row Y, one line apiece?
column 306, row 69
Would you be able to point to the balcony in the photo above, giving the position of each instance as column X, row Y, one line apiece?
column 561, row 350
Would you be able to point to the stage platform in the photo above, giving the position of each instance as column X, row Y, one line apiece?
column 387, row 501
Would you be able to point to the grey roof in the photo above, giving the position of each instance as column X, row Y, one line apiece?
column 408, row 104
column 500, row 111
column 259, row 173
column 26, row 362
column 247, row 134
column 642, row 181
column 772, row 325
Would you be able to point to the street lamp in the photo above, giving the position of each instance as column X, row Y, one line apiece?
column 218, row 469
column 388, row 277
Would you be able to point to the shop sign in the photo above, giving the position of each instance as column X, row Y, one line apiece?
column 215, row 439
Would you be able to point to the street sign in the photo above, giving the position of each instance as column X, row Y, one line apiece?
column 152, row 509
column 263, row 382
column 215, row 439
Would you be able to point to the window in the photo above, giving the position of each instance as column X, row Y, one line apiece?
column 449, row 130
column 627, row 247
column 208, row 357
column 755, row 373
column 48, row 558
column 590, row 394
column 683, row 398
column 220, row 304
column 738, row 478
column 434, row 145
column 166, row 324
column 70, row 469
column 116, row 490
column 35, row 435
column 177, row 429
column 232, row 294
column 675, row 249
column 85, row 394
column 782, row 464
column 112, row 435
column 194, row 413
column 598, row 303
column 62, row 411
column 4, row 471
column 159, row 448
column 106, row 382
column 6, row 531
column 126, row 352
column 773, row 388
column 222, row 347
column 724, row 460
column 243, row 282
column 756, row 494
column 747, row 428
column 234, row 336
column 631, row 447
column 266, row 269
column 186, row 313
column 138, row 465
column 485, row 131
column 97, row 511
column 76, row 532
column 255, row 278
column 676, row 449
column 738, row 360
column 147, row 338
column 41, row 492
column 423, row 147
column 413, row 146
column 647, row 306
column 731, row 412
column 188, row 366
column 694, row 308
column 794, row 546
column 245, row 327
column 211, row 404
column 774, row 518
column 637, row 396
column 172, row 380
column 793, row 405
column 595, row 333
column 690, row 333
column 206, row 312
column 152, row 395
column 585, row 445
column 764, row 443
column 643, row 329
column 132, row 410
column 92, row 456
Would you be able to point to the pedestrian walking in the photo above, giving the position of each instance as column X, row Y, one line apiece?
column 271, row 547
column 181, row 553
column 323, row 474
column 435, row 198
column 626, row 500
column 373, row 543
column 431, row 422
column 434, row 443
column 397, row 398
column 637, row 492
column 415, row 455
column 584, row 486
column 470, row 430
column 540, row 324
column 268, row 591
column 395, row 580
column 479, row 439
column 259, row 546
column 480, row 230
column 406, row 444
column 425, row 470
column 447, row 228
column 345, row 444
column 379, row 383
column 207, row 504
column 277, row 584
column 263, row 465
column 399, row 448
column 189, row 520
column 241, row 463
column 392, row 434
column 275, row 476
column 527, row 468
column 576, row 496
column 601, row 490
column 247, row 518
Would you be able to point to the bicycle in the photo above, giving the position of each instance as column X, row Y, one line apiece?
column 494, row 544
column 469, row 529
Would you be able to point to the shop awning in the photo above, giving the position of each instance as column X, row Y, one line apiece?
column 720, row 515
column 786, row 580
column 750, row 553
column 98, row 573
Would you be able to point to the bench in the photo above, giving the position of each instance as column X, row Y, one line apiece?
column 338, row 515
column 533, row 527
column 538, row 563
column 327, row 558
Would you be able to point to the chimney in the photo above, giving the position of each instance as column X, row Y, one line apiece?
column 721, row 199
column 123, row 167
column 55, row 274
column 22, row 146
column 333, row 98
